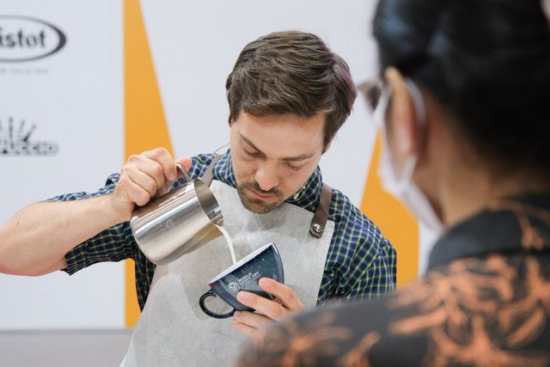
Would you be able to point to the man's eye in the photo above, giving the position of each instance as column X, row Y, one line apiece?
column 294, row 168
column 252, row 154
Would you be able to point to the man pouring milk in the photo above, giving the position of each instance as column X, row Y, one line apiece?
column 288, row 95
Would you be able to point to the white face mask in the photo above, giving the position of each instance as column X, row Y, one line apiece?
column 403, row 187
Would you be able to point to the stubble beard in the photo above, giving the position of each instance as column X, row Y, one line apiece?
column 256, row 205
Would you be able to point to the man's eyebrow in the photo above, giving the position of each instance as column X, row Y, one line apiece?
column 247, row 141
column 298, row 158
column 289, row 159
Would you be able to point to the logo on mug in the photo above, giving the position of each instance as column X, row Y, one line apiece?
column 248, row 278
column 235, row 287
column 24, row 38
column 15, row 140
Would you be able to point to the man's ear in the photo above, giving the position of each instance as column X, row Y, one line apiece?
column 401, row 122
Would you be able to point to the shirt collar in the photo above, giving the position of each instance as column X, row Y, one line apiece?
column 504, row 226
column 307, row 197
column 223, row 171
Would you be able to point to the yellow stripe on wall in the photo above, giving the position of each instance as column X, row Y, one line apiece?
column 145, row 124
column 395, row 221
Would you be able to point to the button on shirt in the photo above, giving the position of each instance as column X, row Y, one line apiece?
column 361, row 263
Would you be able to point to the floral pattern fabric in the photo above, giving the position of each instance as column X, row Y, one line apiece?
column 485, row 301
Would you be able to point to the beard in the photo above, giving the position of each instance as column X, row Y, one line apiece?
column 256, row 205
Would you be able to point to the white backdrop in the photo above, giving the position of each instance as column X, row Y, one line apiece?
column 75, row 99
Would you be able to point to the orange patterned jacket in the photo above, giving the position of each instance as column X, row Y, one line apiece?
column 484, row 301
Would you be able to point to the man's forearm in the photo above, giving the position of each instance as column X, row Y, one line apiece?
column 35, row 240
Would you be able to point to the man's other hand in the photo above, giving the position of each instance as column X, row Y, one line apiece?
column 286, row 301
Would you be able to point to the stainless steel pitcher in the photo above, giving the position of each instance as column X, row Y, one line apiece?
column 178, row 222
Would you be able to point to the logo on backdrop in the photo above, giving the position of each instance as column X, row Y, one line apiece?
column 26, row 39
column 15, row 140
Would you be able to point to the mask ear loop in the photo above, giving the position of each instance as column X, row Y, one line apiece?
column 379, row 113
column 420, row 114
column 419, row 111
column 418, row 103
column 400, row 181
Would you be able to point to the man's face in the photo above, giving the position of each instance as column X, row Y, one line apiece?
column 273, row 156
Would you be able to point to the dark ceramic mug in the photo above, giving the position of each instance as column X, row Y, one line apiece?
column 265, row 262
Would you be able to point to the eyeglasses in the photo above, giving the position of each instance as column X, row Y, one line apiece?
column 371, row 90
column 376, row 96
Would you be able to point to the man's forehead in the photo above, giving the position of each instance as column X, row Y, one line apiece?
column 269, row 134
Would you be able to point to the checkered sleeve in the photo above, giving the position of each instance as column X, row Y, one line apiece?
column 361, row 262
column 113, row 244
column 373, row 271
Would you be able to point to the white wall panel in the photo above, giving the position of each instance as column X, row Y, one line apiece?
column 75, row 100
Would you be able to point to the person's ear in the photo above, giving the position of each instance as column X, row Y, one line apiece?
column 402, row 126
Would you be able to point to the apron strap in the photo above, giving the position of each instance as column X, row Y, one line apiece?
column 209, row 174
column 321, row 214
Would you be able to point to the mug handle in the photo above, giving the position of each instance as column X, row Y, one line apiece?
column 205, row 309
column 184, row 172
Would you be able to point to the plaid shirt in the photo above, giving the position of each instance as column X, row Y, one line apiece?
column 361, row 263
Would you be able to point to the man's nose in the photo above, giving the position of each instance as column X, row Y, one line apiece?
column 267, row 177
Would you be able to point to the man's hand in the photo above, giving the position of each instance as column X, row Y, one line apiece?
column 144, row 177
column 285, row 302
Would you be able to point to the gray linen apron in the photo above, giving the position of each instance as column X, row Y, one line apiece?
column 172, row 329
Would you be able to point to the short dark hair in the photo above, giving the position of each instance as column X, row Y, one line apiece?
column 291, row 72
column 486, row 61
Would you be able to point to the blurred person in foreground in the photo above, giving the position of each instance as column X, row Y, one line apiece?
column 463, row 99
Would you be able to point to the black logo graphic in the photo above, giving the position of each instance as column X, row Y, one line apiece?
column 25, row 39
column 15, row 141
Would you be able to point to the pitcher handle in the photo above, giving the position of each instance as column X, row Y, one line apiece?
column 184, row 172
